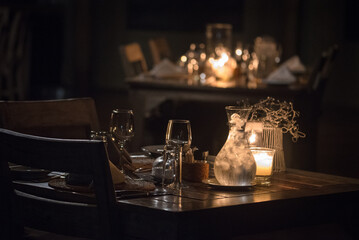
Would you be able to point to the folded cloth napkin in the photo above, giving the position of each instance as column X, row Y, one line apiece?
column 131, row 184
column 285, row 73
column 295, row 65
column 117, row 176
column 281, row 75
column 166, row 69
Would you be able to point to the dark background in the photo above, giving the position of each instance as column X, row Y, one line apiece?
column 73, row 51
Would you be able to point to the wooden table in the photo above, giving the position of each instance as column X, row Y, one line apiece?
column 295, row 198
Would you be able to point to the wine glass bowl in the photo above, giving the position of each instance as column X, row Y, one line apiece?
column 122, row 126
column 121, row 130
column 179, row 133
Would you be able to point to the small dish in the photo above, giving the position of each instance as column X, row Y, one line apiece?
column 154, row 150
column 214, row 183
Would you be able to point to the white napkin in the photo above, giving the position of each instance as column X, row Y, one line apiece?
column 165, row 69
column 281, row 75
column 284, row 74
column 295, row 65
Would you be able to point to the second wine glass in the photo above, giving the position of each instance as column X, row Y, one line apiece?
column 178, row 135
column 121, row 127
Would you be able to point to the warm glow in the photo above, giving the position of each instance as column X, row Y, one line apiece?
column 264, row 161
column 184, row 59
column 190, row 68
column 250, row 67
column 218, row 63
column 238, row 52
column 245, row 55
column 252, row 138
column 255, row 63
column 222, row 64
column 203, row 56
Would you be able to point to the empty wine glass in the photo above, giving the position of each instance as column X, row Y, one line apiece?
column 121, row 127
column 179, row 136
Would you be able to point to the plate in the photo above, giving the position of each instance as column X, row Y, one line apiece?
column 214, row 183
column 20, row 172
column 154, row 150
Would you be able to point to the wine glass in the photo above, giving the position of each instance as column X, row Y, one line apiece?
column 121, row 127
column 179, row 136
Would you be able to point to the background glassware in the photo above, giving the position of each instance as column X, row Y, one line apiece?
column 179, row 136
column 218, row 34
column 268, row 52
column 121, row 127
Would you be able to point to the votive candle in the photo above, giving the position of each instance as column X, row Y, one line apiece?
column 264, row 162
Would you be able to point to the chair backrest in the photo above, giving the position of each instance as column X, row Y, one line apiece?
column 68, row 118
column 159, row 49
column 133, row 59
column 322, row 69
column 14, row 49
column 87, row 157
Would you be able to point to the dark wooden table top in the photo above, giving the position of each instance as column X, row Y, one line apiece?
column 200, row 211
column 290, row 184
column 295, row 198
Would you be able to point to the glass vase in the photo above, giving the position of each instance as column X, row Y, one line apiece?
column 218, row 35
column 234, row 164
column 219, row 62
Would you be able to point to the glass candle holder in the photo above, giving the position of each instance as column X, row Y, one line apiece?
column 219, row 63
column 218, row 35
column 264, row 162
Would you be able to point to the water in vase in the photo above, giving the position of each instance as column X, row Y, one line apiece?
column 235, row 164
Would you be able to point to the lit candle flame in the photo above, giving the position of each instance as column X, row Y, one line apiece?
column 252, row 138
column 223, row 64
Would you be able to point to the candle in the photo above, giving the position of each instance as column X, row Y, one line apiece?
column 264, row 162
column 222, row 64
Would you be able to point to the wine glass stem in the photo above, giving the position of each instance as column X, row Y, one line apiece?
column 122, row 146
column 165, row 157
column 178, row 179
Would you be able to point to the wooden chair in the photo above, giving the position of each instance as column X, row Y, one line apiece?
column 68, row 118
column 88, row 157
column 159, row 49
column 14, row 52
column 303, row 153
column 133, row 59
column 321, row 70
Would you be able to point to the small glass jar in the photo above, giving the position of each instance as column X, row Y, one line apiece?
column 169, row 172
